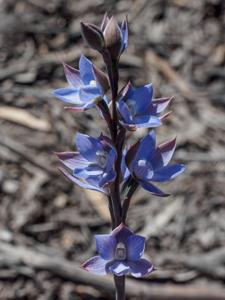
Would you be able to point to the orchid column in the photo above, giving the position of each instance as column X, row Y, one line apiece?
column 105, row 163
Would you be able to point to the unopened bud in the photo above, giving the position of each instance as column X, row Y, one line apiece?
column 113, row 38
column 92, row 35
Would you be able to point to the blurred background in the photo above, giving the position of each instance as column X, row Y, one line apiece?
column 47, row 224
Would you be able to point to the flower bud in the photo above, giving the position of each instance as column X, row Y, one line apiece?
column 113, row 38
column 93, row 36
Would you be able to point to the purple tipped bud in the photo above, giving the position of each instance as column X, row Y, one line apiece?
column 113, row 38
column 93, row 36
column 101, row 78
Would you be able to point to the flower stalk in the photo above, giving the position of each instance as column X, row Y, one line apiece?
column 107, row 164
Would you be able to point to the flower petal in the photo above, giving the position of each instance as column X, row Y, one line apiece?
column 89, row 92
column 167, row 173
column 124, row 111
column 152, row 189
column 160, row 104
column 140, row 267
column 82, row 183
column 146, row 121
column 118, row 268
column 122, row 233
column 95, row 265
column 135, row 247
column 166, row 151
column 72, row 76
column 69, row 95
column 106, row 245
column 72, row 160
column 88, row 146
column 146, row 147
column 86, row 71
column 143, row 97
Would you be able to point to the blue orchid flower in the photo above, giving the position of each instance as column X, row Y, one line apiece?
column 86, row 86
column 137, row 109
column 120, row 254
column 92, row 167
column 148, row 163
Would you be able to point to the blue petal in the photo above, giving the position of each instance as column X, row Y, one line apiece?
column 152, row 189
column 72, row 76
column 135, row 247
column 86, row 71
column 147, row 147
column 87, row 171
column 124, row 111
column 107, row 178
column 142, row 98
column 82, row 183
column 167, row 173
column 88, row 146
column 122, row 233
column 146, row 121
column 72, row 160
column 118, row 268
column 69, row 95
column 95, row 265
column 89, row 92
column 140, row 267
column 106, row 245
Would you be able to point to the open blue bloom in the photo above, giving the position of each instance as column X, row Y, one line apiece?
column 148, row 163
column 137, row 109
column 92, row 167
column 119, row 253
column 85, row 88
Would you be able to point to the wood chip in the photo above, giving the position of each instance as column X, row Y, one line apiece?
column 22, row 117
column 100, row 204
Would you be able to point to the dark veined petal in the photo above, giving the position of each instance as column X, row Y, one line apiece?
column 72, row 76
column 106, row 245
column 89, row 92
column 158, row 105
column 118, row 268
column 143, row 95
column 87, row 171
column 146, row 148
column 124, row 112
column 95, row 265
column 167, row 173
column 122, row 233
column 88, row 146
column 107, row 178
column 82, row 183
column 72, row 160
column 146, row 121
column 135, row 247
column 69, row 95
column 152, row 189
column 86, row 71
column 140, row 267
